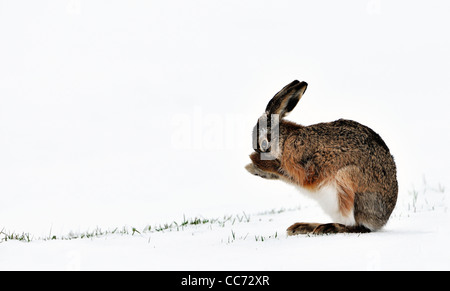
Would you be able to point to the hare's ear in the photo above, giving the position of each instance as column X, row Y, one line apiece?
column 284, row 101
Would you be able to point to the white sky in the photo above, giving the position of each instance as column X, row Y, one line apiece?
column 114, row 112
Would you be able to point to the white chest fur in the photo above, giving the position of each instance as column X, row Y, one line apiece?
column 327, row 197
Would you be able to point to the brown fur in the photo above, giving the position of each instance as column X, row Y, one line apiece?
column 346, row 188
column 327, row 228
column 343, row 152
column 271, row 166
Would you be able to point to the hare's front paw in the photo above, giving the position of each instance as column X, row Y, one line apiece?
column 258, row 172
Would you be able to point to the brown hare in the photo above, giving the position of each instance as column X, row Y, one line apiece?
column 343, row 165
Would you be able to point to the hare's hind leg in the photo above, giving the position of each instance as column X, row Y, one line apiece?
column 339, row 228
column 301, row 228
column 327, row 228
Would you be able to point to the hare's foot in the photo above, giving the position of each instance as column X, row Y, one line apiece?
column 339, row 228
column 317, row 228
column 302, row 228
column 258, row 172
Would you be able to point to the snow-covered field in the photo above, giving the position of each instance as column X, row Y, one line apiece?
column 129, row 123
column 416, row 238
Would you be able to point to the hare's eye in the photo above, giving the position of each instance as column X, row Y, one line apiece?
column 264, row 145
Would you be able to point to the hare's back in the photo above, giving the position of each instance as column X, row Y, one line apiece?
column 347, row 135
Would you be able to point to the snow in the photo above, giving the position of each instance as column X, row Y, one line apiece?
column 133, row 113
column 414, row 239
